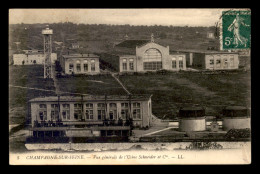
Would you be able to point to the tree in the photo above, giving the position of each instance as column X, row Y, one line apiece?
column 163, row 35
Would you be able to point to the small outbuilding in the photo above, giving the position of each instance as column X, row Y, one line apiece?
column 80, row 64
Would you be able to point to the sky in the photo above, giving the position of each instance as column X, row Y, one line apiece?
column 175, row 17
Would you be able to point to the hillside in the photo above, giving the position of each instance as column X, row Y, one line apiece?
column 102, row 38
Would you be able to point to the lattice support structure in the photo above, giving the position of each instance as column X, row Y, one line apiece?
column 47, row 33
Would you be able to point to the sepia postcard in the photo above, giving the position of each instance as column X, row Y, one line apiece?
column 129, row 86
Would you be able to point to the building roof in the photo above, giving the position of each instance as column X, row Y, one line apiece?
column 132, row 43
column 126, row 55
column 91, row 98
column 80, row 56
column 203, row 51
column 235, row 108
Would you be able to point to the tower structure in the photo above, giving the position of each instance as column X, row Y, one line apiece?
column 47, row 43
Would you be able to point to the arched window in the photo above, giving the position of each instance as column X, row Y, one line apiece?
column 152, row 59
column 152, row 55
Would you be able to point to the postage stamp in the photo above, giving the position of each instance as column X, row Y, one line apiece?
column 236, row 28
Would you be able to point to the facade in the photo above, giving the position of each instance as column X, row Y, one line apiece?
column 32, row 58
column 87, row 118
column 91, row 109
column 80, row 64
column 215, row 60
column 151, row 57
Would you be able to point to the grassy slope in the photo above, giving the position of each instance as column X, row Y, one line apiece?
column 27, row 76
column 93, row 85
column 179, row 89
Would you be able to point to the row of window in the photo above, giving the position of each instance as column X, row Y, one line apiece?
column 131, row 64
column 78, row 115
column 218, row 62
column 152, row 65
column 85, row 66
column 174, row 62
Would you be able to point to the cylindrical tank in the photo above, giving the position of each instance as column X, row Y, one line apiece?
column 192, row 119
column 235, row 117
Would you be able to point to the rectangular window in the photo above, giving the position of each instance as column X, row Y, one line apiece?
column 152, row 65
column 85, row 67
column 78, row 111
column 43, row 115
column 124, row 105
column 112, row 111
column 89, row 111
column 124, row 113
column 174, row 65
column 211, row 61
column 101, row 111
column 232, row 61
column 180, row 62
column 54, row 112
column 93, row 65
column 136, row 114
column 78, row 68
column 218, row 63
column 131, row 64
column 54, row 115
column 66, row 112
column 101, row 114
column 225, row 63
column 124, row 65
column 71, row 67
column 136, row 111
column 124, row 110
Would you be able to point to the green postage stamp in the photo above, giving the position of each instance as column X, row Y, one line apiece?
column 236, row 29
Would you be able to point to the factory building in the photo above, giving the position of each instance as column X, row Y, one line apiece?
column 235, row 117
column 147, row 56
column 192, row 119
column 211, row 60
column 80, row 64
column 92, row 110
column 32, row 58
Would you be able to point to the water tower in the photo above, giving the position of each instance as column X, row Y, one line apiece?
column 47, row 52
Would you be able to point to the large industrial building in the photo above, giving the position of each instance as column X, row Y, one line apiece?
column 80, row 64
column 147, row 56
column 86, row 110
column 211, row 60
column 87, row 118
column 32, row 58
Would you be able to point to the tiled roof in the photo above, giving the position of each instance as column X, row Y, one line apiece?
column 80, row 56
column 91, row 97
column 202, row 51
column 132, row 43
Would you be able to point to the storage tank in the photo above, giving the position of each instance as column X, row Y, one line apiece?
column 192, row 119
column 236, row 117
